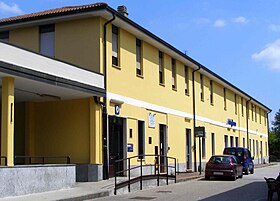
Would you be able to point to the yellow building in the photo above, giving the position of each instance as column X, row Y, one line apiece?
column 154, row 96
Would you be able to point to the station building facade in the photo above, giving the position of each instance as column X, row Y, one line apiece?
column 154, row 96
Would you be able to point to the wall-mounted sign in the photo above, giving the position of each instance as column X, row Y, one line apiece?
column 117, row 109
column 129, row 147
column 199, row 131
column 231, row 122
column 151, row 120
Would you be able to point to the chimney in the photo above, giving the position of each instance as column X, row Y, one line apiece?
column 123, row 10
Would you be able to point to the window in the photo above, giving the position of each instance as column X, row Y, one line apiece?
column 250, row 144
column 186, row 80
column 252, row 106
column 226, row 140
column 235, row 103
column 161, row 70
column 203, row 148
column 256, row 119
column 4, row 36
column 174, row 74
column 236, row 142
column 254, row 151
column 115, row 45
column 213, row 143
column 201, row 88
column 260, row 115
column 225, row 99
column 47, row 40
column 211, row 93
column 257, row 148
column 141, row 138
column 138, row 57
column 264, row 117
column 242, row 109
column 244, row 145
column 231, row 141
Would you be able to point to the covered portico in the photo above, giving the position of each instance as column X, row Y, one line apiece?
column 48, row 109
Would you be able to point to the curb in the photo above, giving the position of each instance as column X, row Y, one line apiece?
column 88, row 196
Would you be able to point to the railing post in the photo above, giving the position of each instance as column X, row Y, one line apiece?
column 68, row 159
column 141, row 174
column 43, row 160
column 167, row 170
column 175, row 164
column 158, row 171
column 128, row 174
column 115, row 172
column 29, row 160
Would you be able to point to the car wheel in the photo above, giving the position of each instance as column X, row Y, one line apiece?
column 241, row 176
column 252, row 171
column 247, row 171
column 207, row 177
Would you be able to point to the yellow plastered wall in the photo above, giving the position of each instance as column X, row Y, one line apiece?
column 27, row 37
column 61, row 128
column 78, row 42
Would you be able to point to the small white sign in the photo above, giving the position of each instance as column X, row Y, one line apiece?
column 152, row 120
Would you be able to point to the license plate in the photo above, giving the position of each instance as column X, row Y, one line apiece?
column 218, row 173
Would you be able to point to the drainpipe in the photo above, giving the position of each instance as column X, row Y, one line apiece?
column 267, row 134
column 194, row 125
column 247, row 121
column 104, row 104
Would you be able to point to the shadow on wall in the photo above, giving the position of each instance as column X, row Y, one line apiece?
column 250, row 192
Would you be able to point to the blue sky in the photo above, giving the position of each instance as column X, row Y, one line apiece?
column 239, row 40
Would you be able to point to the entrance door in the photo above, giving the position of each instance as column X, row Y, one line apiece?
column 188, row 149
column 116, row 144
column 162, row 147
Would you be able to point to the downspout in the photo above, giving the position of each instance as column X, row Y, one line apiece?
column 267, row 123
column 247, row 121
column 194, row 124
column 104, row 104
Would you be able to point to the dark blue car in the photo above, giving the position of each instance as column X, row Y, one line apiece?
column 244, row 156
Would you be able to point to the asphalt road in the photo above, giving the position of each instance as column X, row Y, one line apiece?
column 249, row 188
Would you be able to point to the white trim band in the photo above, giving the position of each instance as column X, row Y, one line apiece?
column 150, row 106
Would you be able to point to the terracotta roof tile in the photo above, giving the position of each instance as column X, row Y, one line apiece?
column 58, row 11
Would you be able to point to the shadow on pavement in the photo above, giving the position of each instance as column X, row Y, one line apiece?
column 256, row 191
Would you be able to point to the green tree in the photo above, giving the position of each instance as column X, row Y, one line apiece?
column 274, row 138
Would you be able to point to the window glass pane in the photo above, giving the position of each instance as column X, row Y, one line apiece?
column 47, row 44
column 115, row 45
column 138, row 57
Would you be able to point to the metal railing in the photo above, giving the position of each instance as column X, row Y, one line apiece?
column 5, row 160
column 165, row 167
column 43, row 158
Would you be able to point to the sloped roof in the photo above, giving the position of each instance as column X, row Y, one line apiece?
column 52, row 12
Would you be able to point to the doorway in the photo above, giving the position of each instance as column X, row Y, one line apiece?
column 188, row 149
column 116, row 144
column 162, row 147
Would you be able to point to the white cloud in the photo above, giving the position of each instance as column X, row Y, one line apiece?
column 13, row 8
column 219, row 23
column 240, row 20
column 274, row 27
column 270, row 55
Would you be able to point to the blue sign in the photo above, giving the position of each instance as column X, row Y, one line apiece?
column 231, row 122
column 129, row 147
column 117, row 109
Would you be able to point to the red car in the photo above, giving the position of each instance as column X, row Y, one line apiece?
column 223, row 166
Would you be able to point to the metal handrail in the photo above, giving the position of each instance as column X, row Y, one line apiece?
column 43, row 158
column 140, row 160
column 5, row 160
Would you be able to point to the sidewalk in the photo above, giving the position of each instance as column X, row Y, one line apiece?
column 91, row 190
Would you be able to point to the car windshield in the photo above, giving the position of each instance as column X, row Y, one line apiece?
column 220, row 159
column 230, row 151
